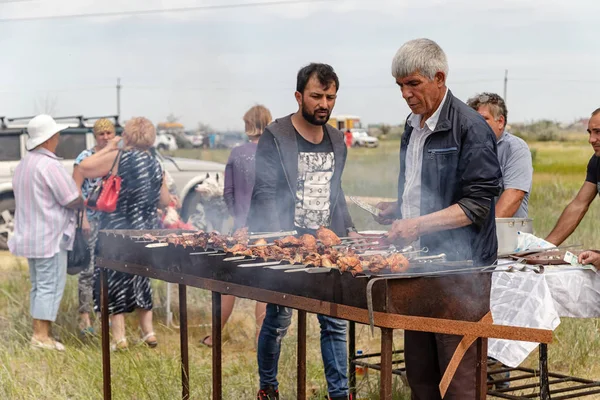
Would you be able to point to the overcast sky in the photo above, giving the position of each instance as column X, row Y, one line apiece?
column 212, row 64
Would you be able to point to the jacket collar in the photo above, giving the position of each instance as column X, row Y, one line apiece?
column 444, row 123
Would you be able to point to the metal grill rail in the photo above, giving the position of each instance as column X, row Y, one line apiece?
column 524, row 382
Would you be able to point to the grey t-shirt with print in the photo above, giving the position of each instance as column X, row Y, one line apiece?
column 316, row 164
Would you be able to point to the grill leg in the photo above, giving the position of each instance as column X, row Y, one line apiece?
column 301, row 355
column 482, row 348
column 183, row 337
column 385, row 389
column 216, row 349
column 544, row 384
column 351, row 355
column 169, row 318
column 105, row 334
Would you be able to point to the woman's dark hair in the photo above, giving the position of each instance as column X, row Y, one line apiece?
column 324, row 73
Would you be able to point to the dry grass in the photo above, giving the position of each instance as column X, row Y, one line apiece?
column 141, row 373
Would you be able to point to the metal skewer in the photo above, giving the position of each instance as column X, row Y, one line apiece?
column 156, row 245
column 533, row 251
column 271, row 234
column 287, row 266
column 238, row 258
column 261, row 264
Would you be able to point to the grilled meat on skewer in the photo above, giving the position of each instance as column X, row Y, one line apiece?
column 350, row 263
column 397, row 263
column 240, row 250
column 259, row 251
column 328, row 237
column 288, row 241
column 312, row 259
column 307, row 250
column 377, row 263
column 241, row 236
column 181, row 240
column 150, row 237
column 309, row 242
column 328, row 261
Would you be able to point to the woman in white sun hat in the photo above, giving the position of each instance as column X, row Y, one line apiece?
column 45, row 197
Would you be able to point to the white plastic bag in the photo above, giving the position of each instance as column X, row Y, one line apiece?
column 527, row 241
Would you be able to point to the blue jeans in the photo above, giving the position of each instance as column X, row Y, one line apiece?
column 48, row 277
column 333, row 349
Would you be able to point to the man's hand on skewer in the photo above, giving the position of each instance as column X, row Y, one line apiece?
column 388, row 212
column 404, row 231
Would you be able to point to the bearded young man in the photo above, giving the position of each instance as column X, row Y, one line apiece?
column 299, row 165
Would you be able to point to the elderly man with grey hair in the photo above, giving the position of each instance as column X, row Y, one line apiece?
column 514, row 156
column 449, row 177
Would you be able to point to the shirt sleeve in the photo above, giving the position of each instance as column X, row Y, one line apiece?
column 518, row 172
column 82, row 156
column 61, row 184
column 480, row 173
column 592, row 171
column 228, row 189
column 262, row 216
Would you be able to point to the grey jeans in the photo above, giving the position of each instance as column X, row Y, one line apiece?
column 85, row 282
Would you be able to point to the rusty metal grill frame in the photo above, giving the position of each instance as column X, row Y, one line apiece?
column 555, row 381
column 393, row 309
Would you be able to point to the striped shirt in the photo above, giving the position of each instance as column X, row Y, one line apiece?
column 42, row 188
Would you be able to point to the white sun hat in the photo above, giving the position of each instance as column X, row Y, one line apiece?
column 42, row 128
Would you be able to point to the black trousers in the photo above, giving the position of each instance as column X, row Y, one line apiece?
column 427, row 355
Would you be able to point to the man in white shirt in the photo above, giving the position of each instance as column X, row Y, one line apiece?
column 449, row 177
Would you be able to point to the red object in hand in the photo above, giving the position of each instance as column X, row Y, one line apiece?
column 172, row 220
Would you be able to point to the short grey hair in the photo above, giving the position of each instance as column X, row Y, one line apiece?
column 493, row 101
column 419, row 55
column 596, row 112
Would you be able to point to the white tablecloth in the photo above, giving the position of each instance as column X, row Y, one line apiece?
column 535, row 300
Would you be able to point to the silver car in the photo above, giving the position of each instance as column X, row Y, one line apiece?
column 186, row 173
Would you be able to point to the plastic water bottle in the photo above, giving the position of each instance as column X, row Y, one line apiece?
column 360, row 370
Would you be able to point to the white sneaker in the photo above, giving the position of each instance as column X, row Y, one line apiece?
column 54, row 345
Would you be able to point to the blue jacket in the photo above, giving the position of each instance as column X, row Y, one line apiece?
column 460, row 166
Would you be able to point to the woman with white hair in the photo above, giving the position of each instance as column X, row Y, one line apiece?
column 143, row 190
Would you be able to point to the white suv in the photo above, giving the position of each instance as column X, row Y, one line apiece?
column 360, row 138
column 186, row 173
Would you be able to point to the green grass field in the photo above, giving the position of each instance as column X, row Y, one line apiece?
column 141, row 373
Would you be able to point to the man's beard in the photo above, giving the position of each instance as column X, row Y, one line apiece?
column 312, row 117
